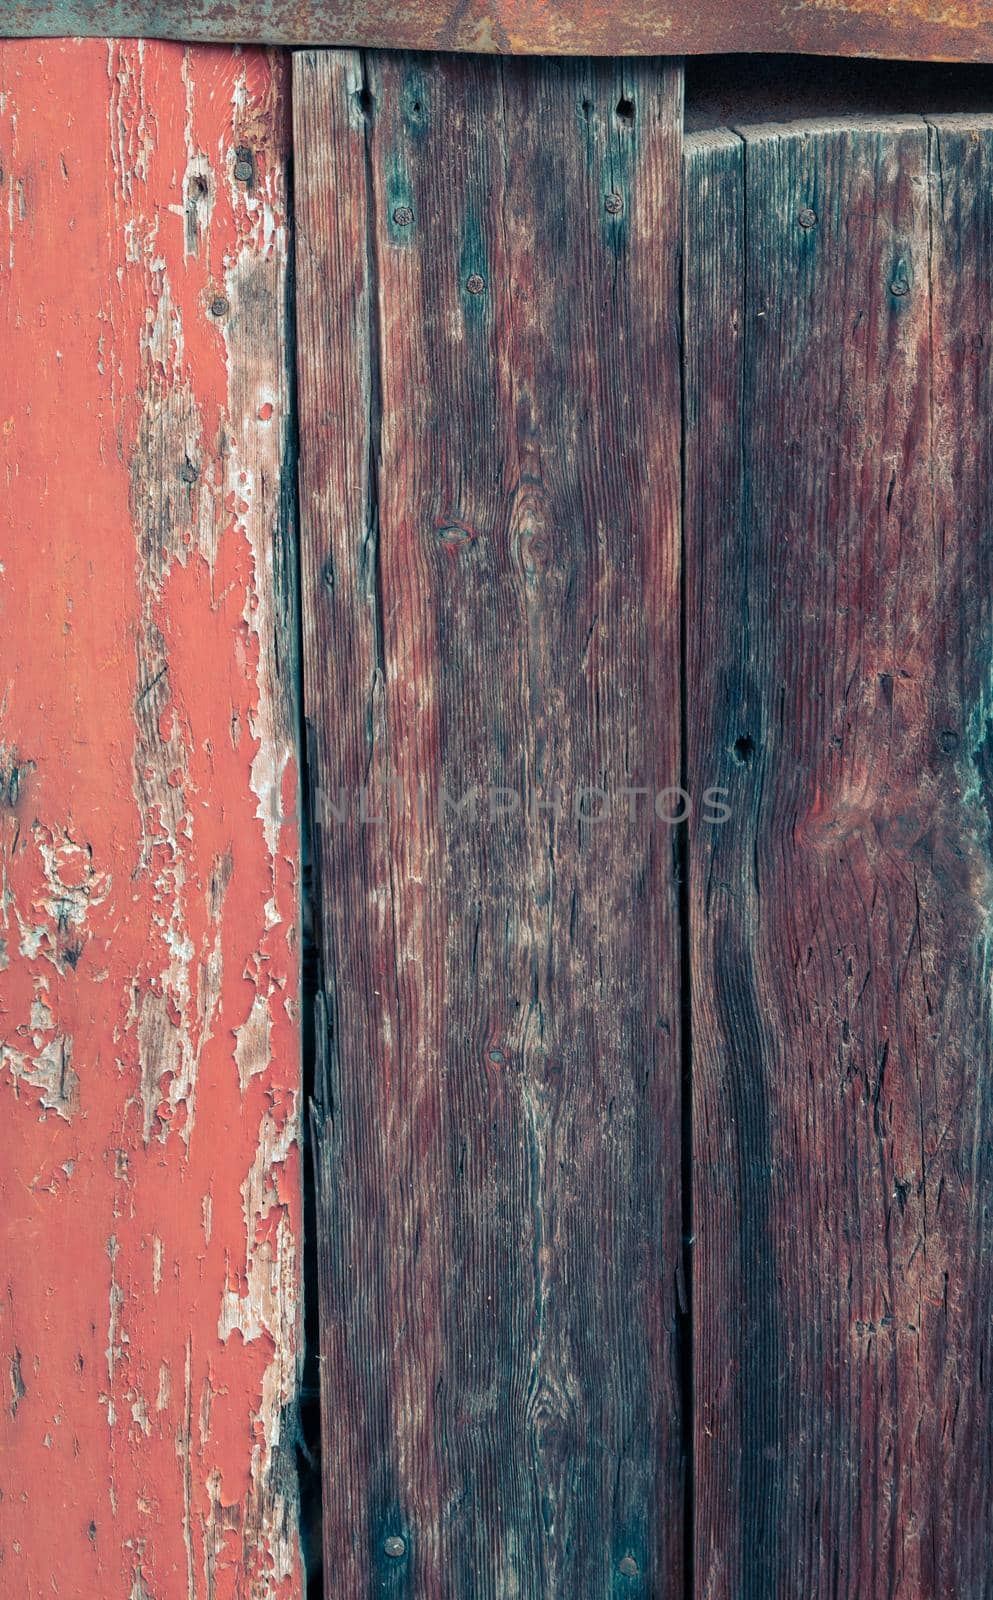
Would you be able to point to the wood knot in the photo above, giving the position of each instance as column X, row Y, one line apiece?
column 455, row 535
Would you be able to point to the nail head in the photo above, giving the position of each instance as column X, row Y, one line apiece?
column 629, row 1566
column 219, row 307
column 614, row 204
column 475, row 284
column 403, row 216
column 806, row 217
column 394, row 1547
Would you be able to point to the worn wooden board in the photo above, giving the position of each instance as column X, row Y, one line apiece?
column 149, row 1063
column 838, row 556
column 490, row 476
column 909, row 29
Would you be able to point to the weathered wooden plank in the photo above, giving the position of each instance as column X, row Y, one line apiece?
column 149, row 1059
column 838, row 622
column 912, row 29
column 490, row 480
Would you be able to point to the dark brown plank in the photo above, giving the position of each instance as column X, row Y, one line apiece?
column 490, row 469
column 838, row 555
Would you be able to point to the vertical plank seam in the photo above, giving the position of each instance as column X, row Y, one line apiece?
column 682, row 843
column 313, row 1099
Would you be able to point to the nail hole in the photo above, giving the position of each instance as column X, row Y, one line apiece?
column 744, row 749
column 625, row 109
column 363, row 99
column 198, row 187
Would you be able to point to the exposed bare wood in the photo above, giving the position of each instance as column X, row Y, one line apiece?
column 838, row 516
column 490, row 473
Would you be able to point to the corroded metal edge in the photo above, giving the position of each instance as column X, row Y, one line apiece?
column 937, row 30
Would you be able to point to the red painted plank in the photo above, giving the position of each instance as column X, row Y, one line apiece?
column 149, row 1061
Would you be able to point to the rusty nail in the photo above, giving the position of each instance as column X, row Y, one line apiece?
column 629, row 1566
column 806, row 217
column 899, row 286
column 475, row 284
column 219, row 307
column 614, row 204
column 394, row 1547
column 403, row 216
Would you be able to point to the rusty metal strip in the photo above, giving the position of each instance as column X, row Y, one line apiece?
column 937, row 30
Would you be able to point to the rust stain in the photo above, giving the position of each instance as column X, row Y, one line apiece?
column 149, row 1055
column 952, row 30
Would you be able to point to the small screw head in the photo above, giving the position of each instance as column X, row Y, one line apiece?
column 629, row 1566
column 614, row 204
column 219, row 307
column 806, row 217
column 475, row 284
column 394, row 1547
column 403, row 216
column 899, row 286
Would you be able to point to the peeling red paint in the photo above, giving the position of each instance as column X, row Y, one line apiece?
column 149, row 1055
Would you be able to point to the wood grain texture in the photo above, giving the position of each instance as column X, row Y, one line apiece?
column 149, row 1057
column 936, row 30
column 490, row 479
column 838, row 516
